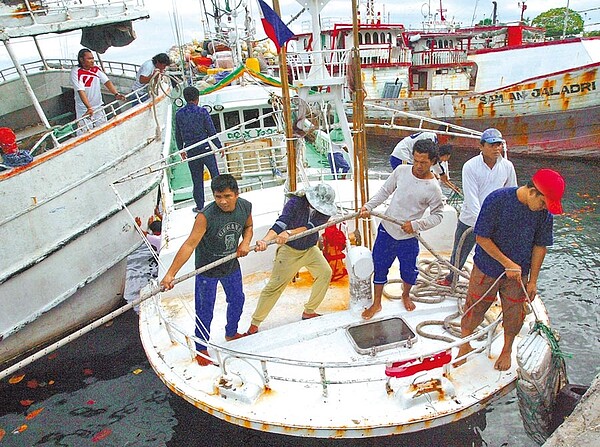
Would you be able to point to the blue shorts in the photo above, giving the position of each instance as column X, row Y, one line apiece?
column 387, row 249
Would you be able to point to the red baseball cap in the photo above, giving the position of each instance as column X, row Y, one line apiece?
column 552, row 185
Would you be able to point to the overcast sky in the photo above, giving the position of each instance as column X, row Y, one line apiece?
column 156, row 34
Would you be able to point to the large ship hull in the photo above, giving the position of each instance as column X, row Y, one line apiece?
column 556, row 115
column 69, row 235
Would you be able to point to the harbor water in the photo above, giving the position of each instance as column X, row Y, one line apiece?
column 100, row 389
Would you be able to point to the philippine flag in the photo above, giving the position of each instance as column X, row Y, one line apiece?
column 274, row 27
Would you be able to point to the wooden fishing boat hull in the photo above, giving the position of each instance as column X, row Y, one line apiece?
column 69, row 235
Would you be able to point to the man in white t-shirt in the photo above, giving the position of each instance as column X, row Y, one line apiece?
column 147, row 70
column 403, row 152
column 87, row 79
column 481, row 175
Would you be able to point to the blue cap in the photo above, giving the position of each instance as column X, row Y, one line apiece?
column 491, row 136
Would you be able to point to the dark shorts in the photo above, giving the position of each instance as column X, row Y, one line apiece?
column 387, row 249
column 512, row 298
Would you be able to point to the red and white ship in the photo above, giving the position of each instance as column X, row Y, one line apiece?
column 542, row 95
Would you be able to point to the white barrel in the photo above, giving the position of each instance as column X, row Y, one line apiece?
column 360, row 262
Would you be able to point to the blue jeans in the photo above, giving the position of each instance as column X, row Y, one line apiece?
column 338, row 165
column 467, row 246
column 205, row 295
column 197, row 171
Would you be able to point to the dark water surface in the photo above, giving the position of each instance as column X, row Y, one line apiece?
column 101, row 391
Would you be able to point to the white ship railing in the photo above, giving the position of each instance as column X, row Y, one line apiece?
column 330, row 65
column 384, row 54
column 438, row 57
column 109, row 67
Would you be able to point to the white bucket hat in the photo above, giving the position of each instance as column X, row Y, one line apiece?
column 322, row 198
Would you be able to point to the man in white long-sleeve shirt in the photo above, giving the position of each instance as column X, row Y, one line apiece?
column 481, row 175
column 413, row 188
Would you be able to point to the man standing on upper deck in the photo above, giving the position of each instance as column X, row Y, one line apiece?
column 87, row 79
column 513, row 230
column 403, row 152
column 413, row 188
column 193, row 124
column 156, row 65
column 481, row 175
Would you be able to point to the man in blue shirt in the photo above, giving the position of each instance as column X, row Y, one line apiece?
column 303, row 211
column 513, row 230
column 193, row 124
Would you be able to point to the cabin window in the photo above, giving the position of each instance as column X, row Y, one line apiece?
column 382, row 37
column 367, row 38
column 389, row 38
column 231, row 119
column 375, row 38
column 249, row 115
column 360, row 39
column 216, row 119
column 269, row 121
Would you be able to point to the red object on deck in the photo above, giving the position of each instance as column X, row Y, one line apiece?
column 407, row 368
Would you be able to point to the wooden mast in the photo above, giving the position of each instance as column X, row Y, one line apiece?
column 287, row 113
column 361, row 166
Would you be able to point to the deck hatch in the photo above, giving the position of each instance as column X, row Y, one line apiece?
column 374, row 336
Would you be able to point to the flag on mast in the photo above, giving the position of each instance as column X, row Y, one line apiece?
column 274, row 27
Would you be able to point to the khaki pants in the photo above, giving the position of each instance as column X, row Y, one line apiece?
column 287, row 263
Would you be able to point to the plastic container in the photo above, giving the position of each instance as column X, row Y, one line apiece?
column 360, row 262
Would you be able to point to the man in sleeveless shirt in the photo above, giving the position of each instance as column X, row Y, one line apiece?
column 215, row 235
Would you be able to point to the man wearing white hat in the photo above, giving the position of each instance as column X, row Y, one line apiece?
column 303, row 211
column 481, row 175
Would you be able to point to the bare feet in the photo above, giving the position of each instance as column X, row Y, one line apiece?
column 463, row 350
column 253, row 329
column 503, row 362
column 306, row 316
column 202, row 360
column 369, row 312
column 408, row 303
column 234, row 337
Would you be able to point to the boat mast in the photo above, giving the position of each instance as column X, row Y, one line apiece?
column 361, row 167
column 287, row 113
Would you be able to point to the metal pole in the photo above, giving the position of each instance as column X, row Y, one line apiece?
column 30, row 92
column 565, row 20
column 287, row 113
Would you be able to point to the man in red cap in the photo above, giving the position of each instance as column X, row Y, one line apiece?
column 11, row 155
column 513, row 230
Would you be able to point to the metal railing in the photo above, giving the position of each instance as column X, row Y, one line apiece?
column 438, row 57
column 109, row 67
column 326, row 64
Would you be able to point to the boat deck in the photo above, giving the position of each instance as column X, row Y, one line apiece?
column 307, row 377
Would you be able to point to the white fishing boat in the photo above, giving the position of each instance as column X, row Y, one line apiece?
column 335, row 376
column 65, row 237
